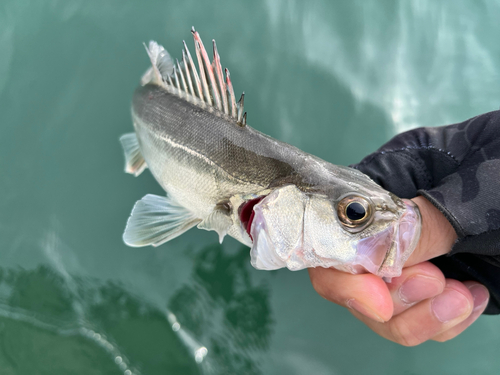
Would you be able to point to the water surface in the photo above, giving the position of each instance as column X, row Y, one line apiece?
column 337, row 79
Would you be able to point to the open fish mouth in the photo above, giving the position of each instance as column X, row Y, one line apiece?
column 247, row 214
column 263, row 253
column 288, row 243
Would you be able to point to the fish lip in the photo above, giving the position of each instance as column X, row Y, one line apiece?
column 246, row 213
column 408, row 232
column 385, row 253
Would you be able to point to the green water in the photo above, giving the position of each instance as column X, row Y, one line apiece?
column 335, row 78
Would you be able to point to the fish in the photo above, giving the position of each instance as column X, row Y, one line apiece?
column 291, row 208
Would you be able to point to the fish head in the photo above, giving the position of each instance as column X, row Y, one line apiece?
column 353, row 230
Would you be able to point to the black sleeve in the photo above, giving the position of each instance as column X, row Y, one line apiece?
column 457, row 168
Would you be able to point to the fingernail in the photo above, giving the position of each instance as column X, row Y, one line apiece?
column 480, row 295
column 449, row 305
column 363, row 309
column 419, row 287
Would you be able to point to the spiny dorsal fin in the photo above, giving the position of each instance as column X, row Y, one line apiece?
column 206, row 84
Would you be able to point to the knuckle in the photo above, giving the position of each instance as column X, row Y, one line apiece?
column 403, row 334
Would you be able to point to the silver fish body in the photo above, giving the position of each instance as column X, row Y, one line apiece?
column 291, row 207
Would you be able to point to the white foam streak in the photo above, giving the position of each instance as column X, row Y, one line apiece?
column 198, row 351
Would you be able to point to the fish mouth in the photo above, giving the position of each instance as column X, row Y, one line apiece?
column 247, row 213
column 385, row 253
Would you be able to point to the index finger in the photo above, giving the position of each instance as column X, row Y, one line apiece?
column 366, row 293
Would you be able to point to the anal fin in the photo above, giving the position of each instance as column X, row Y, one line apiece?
column 134, row 161
column 219, row 221
column 155, row 220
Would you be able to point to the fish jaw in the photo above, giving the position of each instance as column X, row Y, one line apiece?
column 385, row 253
column 307, row 235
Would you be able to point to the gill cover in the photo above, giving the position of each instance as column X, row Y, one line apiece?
column 297, row 230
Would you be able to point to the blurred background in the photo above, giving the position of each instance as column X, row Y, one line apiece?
column 335, row 78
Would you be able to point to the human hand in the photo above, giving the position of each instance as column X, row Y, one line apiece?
column 420, row 304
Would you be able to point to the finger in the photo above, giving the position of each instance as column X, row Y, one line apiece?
column 416, row 283
column 437, row 235
column 481, row 297
column 365, row 293
column 428, row 318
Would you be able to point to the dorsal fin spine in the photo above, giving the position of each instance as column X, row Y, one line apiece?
column 203, row 78
column 176, row 79
column 201, row 69
column 240, row 106
column 183, row 80
column 220, row 77
column 208, row 70
column 231, row 93
column 196, row 78
column 188, row 74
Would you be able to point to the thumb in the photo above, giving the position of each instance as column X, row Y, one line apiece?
column 437, row 236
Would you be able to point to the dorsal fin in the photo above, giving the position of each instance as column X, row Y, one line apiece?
column 206, row 84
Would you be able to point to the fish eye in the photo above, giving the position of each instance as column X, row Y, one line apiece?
column 354, row 211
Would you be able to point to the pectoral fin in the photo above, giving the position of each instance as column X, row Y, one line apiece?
column 155, row 220
column 134, row 161
column 218, row 221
